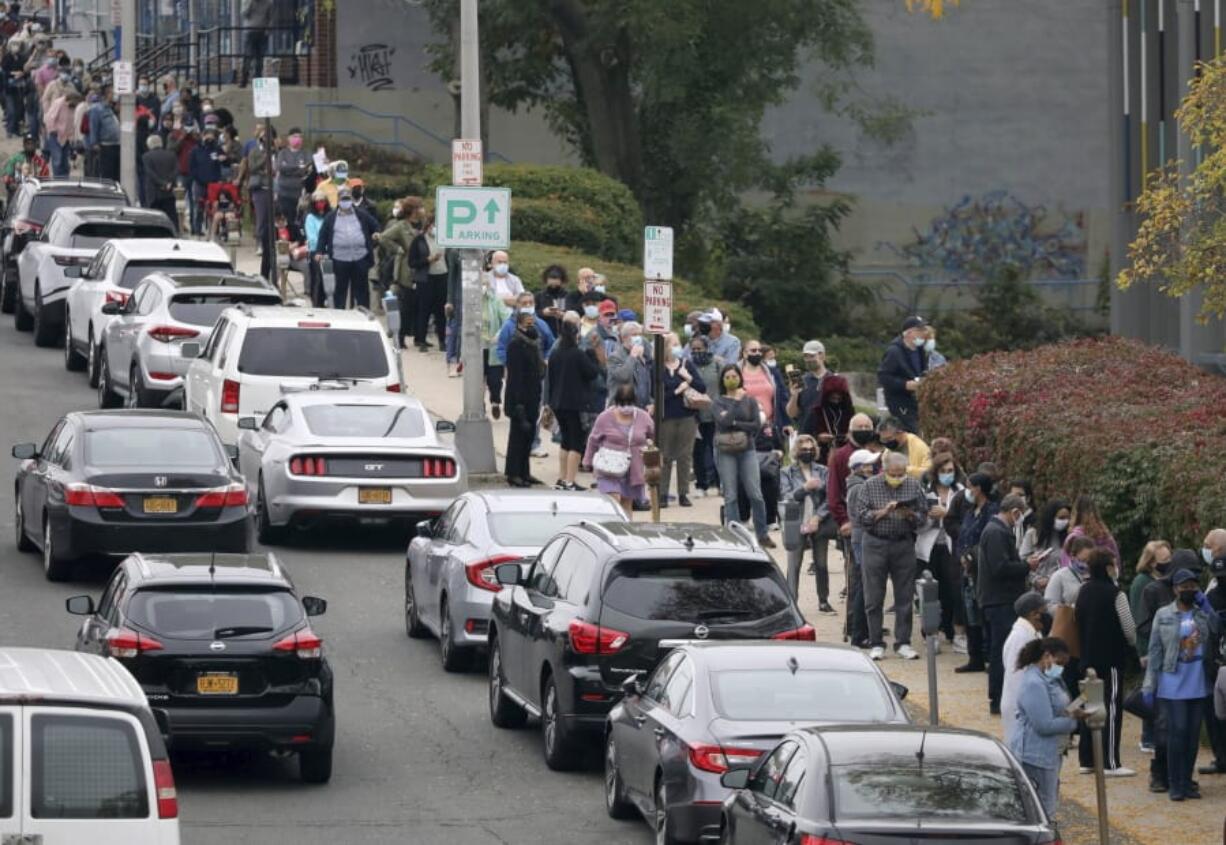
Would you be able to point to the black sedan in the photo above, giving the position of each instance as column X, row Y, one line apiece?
column 114, row 482
column 881, row 786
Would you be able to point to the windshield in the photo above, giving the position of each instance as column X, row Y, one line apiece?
column 214, row 614
column 364, row 421
column 94, row 235
column 135, row 271
column 43, row 204
column 697, row 591
column 314, row 353
column 203, row 309
column 965, row 790
column 779, row 695
column 160, row 447
column 535, row 528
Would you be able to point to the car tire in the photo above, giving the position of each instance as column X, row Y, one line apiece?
column 74, row 361
column 91, row 359
column 453, row 657
column 412, row 618
column 315, row 766
column 107, row 397
column 22, row 319
column 138, row 396
column 561, row 753
column 615, row 802
column 54, row 566
column 24, row 543
column 8, row 290
column 45, row 335
column 267, row 533
column 661, row 821
column 504, row 712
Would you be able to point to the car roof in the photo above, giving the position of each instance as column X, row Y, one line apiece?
column 350, row 397
column 674, row 537
column 767, row 654
column 222, row 281
column 547, row 500
column 137, row 418
column 159, row 249
column 857, row 744
column 203, row 569
column 108, row 213
column 281, row 317
column 79, row 185
column 31, row 674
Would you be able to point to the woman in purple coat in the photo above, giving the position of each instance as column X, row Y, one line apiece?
column 617, row 440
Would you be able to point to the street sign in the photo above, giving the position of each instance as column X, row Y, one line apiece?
column 473, row 218
column 657, row 306
column 466, row 162
column 266, row 96
column 658, row 252
column 116, row 12
column 123, row 75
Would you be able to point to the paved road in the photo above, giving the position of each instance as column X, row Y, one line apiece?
column 416, row 757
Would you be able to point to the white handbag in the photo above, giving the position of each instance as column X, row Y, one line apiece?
column 611, row 463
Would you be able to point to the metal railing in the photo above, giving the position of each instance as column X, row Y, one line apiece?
column 402, row 133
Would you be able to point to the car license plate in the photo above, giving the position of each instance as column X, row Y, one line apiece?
column 374, row 495
column 161, row 504
column 217, row 683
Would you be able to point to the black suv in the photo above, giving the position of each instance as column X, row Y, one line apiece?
column 605, row 602
column 223, row 645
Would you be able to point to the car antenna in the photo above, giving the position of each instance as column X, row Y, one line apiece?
column 793, row 664
column 919, row 755
column 689, row 543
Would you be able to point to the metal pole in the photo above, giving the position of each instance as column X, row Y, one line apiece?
column 127, row 104
column 1189, row 302
column 657, row 401
column 1100, row 786
column 474, row 435
column 191, row 42
column 1117, row 135
column 270, row 239
column 934, row 708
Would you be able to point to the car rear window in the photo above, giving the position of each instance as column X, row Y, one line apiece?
column 147, row 447
column 43, row 204
column 135, row 271
column 697, row 590
column 313, row 352
column 968, row 790
column 94, row 235
column 209, row 614
column 203, row 309
column 535, row 528
column 86, row 768
column 6, row 766
column 364, row 420
column 779, row 695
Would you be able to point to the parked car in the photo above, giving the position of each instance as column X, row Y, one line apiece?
column 81, row 754
column 449, row 581
column 882, row 785
column 223, row 644
column 257, row 354
column 712, row 705
column 112, row 276
column 115, row 482
column 71, row 238
column 334, row 454
column 141, row 357
column 604, row 601
column 28, row 211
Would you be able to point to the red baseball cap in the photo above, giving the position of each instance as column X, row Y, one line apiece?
column 608, row 306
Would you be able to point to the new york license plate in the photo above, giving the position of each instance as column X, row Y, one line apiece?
column 374, row 495
column 161, row 504
column 217, row 683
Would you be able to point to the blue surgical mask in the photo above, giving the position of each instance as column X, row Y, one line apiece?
column 930, row 346
column 969, row 494
column 598, row 288
column 590, row 311
column 501, row 268
column 1207, row 554
column 918, row 342
column 1054, row 671
column 688, row 330
column 346, row 204
column 676, row 350
column 946, row 479
column 638, row 340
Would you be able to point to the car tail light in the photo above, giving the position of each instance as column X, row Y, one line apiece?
column 229, row 396
column 393, row 388
column 437, row 468
column 25, row 226
column 586, row 638
column 310, row 324
column 311, row 465
column 70, row 260
column 123, row 642
column 88, row 496
column 717, row 759
column 234, row 496
column 304, row 643
column 160, row 376
column 804, row 632
column 481, row 573
column 168, row 333
column 164, row 783
column 119, row 297
column 814, row 839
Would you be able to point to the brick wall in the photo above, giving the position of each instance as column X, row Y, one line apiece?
column 319, row 70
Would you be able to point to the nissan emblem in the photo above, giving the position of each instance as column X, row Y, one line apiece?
column 701, row 632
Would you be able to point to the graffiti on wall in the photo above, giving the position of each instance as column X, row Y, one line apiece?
column 980, row 236
column 371, row 66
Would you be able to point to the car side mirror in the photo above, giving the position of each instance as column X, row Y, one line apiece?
column 444, row 427
column 248, row 423
column 314, row 606
column 425, row 528
column 508, row 574
column 900, row 690
column 80, row 605
column 74, row 272
column 632, row 686
column 112, row 309
column 189, row 350
column 25, row 451
column 735, row 778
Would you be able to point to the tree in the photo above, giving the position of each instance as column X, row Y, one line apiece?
column 1181, row 242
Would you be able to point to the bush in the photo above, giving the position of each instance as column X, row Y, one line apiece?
column 1136, row 427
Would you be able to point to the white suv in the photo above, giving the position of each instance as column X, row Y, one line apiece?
column 257, row 353
column 82, row 758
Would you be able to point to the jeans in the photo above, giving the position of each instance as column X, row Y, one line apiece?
column 705, row 475
column 1113, row 695
column 1182, row 717
column 350, row 276
column 997, row 622
column 742, row 467
column 1046, row 784
column 261, row 202
column 493, row 378
column 453, row 341
column 14, row 111
column 676, row 442
column 857, row 621
column 61, row 161
column 893, row 560
column 820, row 546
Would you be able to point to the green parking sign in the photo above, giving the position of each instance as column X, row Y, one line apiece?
column 473, row 218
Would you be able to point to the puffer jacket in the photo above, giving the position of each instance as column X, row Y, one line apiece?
column 1042, row 728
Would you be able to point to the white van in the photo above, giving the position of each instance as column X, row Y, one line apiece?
column 82, row 758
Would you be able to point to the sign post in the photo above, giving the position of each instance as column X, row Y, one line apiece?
column 266, row 100
column 658, row 321
column 123, row 14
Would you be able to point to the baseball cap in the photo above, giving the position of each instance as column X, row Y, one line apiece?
column 913, row 323
column 860, row 457
column 814, row 347
column 716, row 315
column 608, row 306
column 1183, row 576
column 356, row 183
column 626, row 315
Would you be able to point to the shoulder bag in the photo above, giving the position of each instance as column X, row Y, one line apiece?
column 611, row 462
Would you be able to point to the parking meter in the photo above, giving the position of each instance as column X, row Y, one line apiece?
column 928, row 604
column 792, row 543
column 1096, row 706
column 651, row 474
column 1092, row 691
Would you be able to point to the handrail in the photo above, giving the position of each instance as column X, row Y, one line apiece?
column 397, row 119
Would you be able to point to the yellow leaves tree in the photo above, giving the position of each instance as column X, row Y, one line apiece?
column 1181, row 242
column 936, row 8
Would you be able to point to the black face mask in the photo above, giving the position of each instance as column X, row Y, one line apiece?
column 1187, row 598
column 1162, row 568
column 529, row 332
column 806, row 457
column 357, row 194
column 701, row 358
column 755, row 359
column 889, row 444
column 862, row 438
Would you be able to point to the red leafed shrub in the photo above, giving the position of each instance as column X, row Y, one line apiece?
column 1138, row 428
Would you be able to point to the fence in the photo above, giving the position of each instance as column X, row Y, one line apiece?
column 382, row 130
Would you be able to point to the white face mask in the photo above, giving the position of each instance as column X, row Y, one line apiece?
column 501, row 268
column 930, row 345
column 1060, row 524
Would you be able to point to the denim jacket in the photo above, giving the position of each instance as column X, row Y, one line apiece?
column 1042, row 726
column 1164, row 643
column 792, row 486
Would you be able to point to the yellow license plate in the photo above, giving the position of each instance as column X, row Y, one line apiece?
column 218, row 684
column 374, row 496
column 161, row 504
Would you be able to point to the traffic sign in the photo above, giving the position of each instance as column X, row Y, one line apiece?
column 266, row 96
column 658, row 252
column 466, row 162
column 473, row 218
column 123, row 73
column 657, row 306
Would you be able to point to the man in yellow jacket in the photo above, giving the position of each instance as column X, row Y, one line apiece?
column 896, row 438
column 338, row 178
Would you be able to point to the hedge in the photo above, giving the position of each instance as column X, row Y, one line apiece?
column 1139, row 429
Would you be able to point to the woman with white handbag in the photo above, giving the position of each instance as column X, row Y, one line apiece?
column 615, row 448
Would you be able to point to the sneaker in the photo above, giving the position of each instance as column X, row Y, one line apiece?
column 496, row 411
column 534, row 481
column 993, row 709
column 1146, row 747
column 970, row 667
column 685, row 502
column 1157, row 786
column 540, row 453
column 1121, row 772
column 877, row 652
column 1214, row 768
column 960, row 644
column 906, row 652
column 825, row 608
column 561, row 485
column 1087, row 770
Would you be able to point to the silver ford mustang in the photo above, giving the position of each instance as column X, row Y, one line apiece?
column 331, row 453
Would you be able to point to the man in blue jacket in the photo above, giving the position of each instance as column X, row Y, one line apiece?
column 348, row 236
column 524, row 300
column 904, row 364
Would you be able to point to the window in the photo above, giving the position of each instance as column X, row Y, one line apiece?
column 94, row 235
column 62, row 446
column 146, row 447
column 535, row 528
column 793, row 777
column 134, row 304
column 114, row 589
column 207, row 614
column 711, row 592
column 97, row 267
column 780, row 695
column 276, row 418
column 46, row 448
column 659, row 678
column 203, row 309
column 541, row 578
column 86, row 767
column 442, row 525
column 967, row 788
column 314, row 353
column 43, row 204
column 150, row 301
column 678, row 696
column 583, row 565
column 6, row 766
column 767, row 777
column 210, row 348
column 460, row 525
column 134, row 272
column 393, row 420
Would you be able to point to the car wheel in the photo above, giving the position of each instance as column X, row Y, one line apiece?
column 615, row 802
column 412, row 618
column 74, row 362
column 561, row 755
column 54, row 567
column 8, row 292
column 315, row 766
column 24, row 543
column 137, row 396
column 455, row 659
column 91, row 358
column 44, row 333
column 504, row 712
column 664, row 830
column 22, row 319
column 265, row 531
column 107, row 397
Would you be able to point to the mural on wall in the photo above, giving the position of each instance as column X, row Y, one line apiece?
column 371, row 66
column 981, row 235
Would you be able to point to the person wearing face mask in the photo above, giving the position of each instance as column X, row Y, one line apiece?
column 13, row 68
column 975, row 516
column 679, row 421
column 830, row 421
column 430, row 274
column 1183, row 652
column 358, row 188
column 293, row 166
column 935, row 359
column 623, row 428
column 253, row 173
column 902, row 367
column 762, row 385
column 1044, row 541
column 524, row 300
column 206, row 163
column 1021, row 487
column 584, row 285
column 1087, row 523
column 1155, row 561
column 146, row 97
column 1213, row 552
column 1044, row 723
column 552, row 296
column 803, row 404
column 1061, row 595
column 589, row 313
column 895, row 438
column 161, row 168
column 58, row 84
column 1160, row 592
column 395, row 244
column 348, row 237
column 863, row 465
column 934, row 546
column 707, row 366
column 804, row 481
column 631, row 363
column 507, row 286
column 29, row 157
column 738, row 420
column 337, row 179
column 860, row 434
column 103, row 138
column 525, row 373
column 570, row 376
column 1030, row 609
